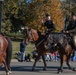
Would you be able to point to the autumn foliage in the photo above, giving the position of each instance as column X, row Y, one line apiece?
column 20, row 13
column 38, row 9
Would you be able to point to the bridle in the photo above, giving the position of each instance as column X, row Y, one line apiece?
column 31, row 35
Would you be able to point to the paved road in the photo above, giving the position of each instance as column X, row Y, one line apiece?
column 24, row 68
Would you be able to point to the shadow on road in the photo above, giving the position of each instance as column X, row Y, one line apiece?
column 29, row 68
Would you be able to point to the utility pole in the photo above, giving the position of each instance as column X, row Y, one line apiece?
column 1, row 2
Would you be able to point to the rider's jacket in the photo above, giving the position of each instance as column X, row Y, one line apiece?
column 71, row 25
column 49, row 25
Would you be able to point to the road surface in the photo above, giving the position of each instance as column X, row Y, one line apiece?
column 24, row 68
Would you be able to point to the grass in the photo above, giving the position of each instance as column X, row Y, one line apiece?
column 16, row 48
column 16, row 43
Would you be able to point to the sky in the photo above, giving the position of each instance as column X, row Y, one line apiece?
column 30, row 0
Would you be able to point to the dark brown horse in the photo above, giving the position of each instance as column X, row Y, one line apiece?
column 5, row 52
column 62, row 44
column 59, row 41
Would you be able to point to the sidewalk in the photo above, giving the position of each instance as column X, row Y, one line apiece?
column 15, row 60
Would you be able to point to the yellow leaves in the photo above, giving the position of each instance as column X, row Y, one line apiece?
column 57, row 14
column 39, row 8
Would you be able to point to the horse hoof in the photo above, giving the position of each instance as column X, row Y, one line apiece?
column 59, row 71
column 7, row 73
column 10, row 72
column 74, row 69
column 44, row 69
column 32, row 69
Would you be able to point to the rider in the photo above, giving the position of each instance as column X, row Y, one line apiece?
column 71, row 29
column 48, row 23
column 72, row 24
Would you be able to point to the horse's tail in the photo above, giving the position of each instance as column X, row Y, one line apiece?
column 9, row 51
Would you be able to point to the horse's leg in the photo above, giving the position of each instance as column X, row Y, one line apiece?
column 67, row 62
column 6, row 67
column 62, row 57
column 9, row 53
column 9, row 69
column 45, row 65
column 37, row 58
column 61, row 66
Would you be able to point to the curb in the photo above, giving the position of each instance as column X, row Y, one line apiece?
column 14, row 60
column 32, row 60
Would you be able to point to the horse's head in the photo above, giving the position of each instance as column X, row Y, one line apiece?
column 27, row 35
column 30, row 35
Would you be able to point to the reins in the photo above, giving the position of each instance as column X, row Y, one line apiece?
column 40, row 42
column 62, row 45
column 37, row 40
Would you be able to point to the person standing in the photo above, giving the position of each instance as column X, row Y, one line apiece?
column 22, row 50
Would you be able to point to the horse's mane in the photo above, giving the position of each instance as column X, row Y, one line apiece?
column 3, row 34
column 39, row 33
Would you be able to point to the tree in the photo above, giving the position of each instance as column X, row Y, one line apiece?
column 20, row 13
column 37, row 10
column 13, row 15
column 69, row 7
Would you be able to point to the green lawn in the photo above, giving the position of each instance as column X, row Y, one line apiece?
column 16, row 48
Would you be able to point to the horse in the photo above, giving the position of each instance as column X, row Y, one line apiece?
column 39, row 40
column 61, row 43
column 5, row 52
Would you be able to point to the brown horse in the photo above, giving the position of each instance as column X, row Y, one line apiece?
column 5, row 52
column 39, row 43
column 59, row 43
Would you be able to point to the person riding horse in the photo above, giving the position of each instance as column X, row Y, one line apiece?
column 48, row 23
column 50, row 26
column 72, row 24
column 71, row 29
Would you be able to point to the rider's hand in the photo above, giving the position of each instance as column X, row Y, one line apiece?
column 47, row 29
column 63, row 31
column 42, row 21
column 67, row 31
